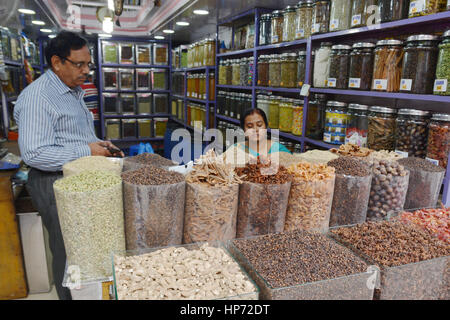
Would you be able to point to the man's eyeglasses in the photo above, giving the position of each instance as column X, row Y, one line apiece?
column 79, row 65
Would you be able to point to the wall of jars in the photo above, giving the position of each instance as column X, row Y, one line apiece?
column 199, row 54
column 196, row 86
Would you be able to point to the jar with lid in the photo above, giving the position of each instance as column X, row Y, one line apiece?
column 289, row 70
column 381, row 134
column 113, row 129
column 336, row 122
column 264, row 30
column 263, row 103
column 419, row 8
column 277, row 26
column 251, row 70
column 239, row 101
column 202, row 89
column 286, row 113
column 387, row 69
column 339, row 66
column 212, row 87
column 225, row 109
column 297, row 117
column 315, row 120
column 220, row 103
column 210, row 52
column 190, row 54
column 201, row 55
column 364, row 12
column 243, row 72
column 229, row 72
column 340, row 14
column 248, row 101
column 439, row 139
column 236, row 80
column 391, row 10
column 361, row 66
column 289, row 16
column 222, row 73
column 358, row 124
column 322, row 65
column 197, row 86
column 274, row 112
column 234, row 103
column 321, row 17
column 411, row 133
column 263, row 71
column 304, row 19
column 301, row 67
column 419, row 64
column 195, row 55
column 442, row 83
column 275, row 71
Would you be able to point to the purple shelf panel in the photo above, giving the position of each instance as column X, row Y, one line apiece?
column 388, row 95
column 236, row 53
column 320, row 143
column 194, row 69
column 236, row 17
column 13, row 63
column 178, row 121
column 136, row 91
column 234, row 87
column 282, row 45
column 137, row 66
column 289, row 136
column 193, row 99
column 232, row 120
column 136, row 116
column 288, row 90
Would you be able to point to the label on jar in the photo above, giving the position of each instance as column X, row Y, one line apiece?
column 380, row 84
column 327, row 137
column 331, row 82
column 275, row 39
column 300, row 33
column 402, row 153
column 356, row 20
column 416, row 6
column 336, row 118
column 436, row 162
column 406, row 84
column 335, row 128
column 315, row 28
column 354, row 83
column 356, row 136
column 334, row 24
column 440, row 85
column 338, row 138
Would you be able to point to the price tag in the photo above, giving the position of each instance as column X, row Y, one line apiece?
column 416, row 6
column 354, row 83
column 275, row 39
column 334, row 24
column 305, row 90
column 402, row 153
column 315, row 28
column 301, row 33
column 440, row 85
column 380, row 84
column 406, row 84
column 436, row 162
column 356, row 20
column 327, row 137
column 331, row 82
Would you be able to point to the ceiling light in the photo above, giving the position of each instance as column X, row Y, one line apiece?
column 201, row 12
column 51, row 36
column 183, row 23
column 26, row 11
column 38, row 22
column 46, row 30
column 108, row 25
column 105, row 35
column 111, row 5
column 159, row 37
column 168, row 31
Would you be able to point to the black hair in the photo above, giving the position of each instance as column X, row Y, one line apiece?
column 249, row 112
column 62, row 44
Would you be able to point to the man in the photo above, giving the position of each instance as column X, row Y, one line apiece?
column 55, row 127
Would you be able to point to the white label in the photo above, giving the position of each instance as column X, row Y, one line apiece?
column 380, row 84
column 354, row 83
column 440, row 85
column 436, row 162
column 406, row 84
column 327, row 137
column 402, row 153
column 305, row 90
column 334, row 24
column 332, row 82
column 315, row 28
column 416, row 6
column 301, row 33
column 275, row 39
column 356, row 20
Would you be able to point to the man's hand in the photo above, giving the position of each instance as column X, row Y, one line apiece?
column 113, row 150
column 98, row 149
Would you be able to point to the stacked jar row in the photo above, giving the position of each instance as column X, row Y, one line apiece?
column 236, row 72
column 135, row 128
column 321, row 16
column 202, row 53
column 233, row 104
column 418, row 66
column 196, row 86
column 196, row 115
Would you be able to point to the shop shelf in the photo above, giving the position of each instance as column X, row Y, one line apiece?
column 234, row 87
column 236, row 53
column 232, row 120
column 194, row 69
column 320, row 143
column 13, row 63
column 136, row 116
column 178, row 121
column 282, row 45
column 137, row 66
column 279, row 89
column 289, row 136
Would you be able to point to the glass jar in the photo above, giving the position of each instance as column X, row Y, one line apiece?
column 144, row 103
column 190, row 61
column 183, row 58
column 321, row 17
column 212, row 87
column 336, row 122
column 113, row 129
column 322, row 65
column 411, row 133
column 222, row 73
column 339, row 66
column 210, row 52
column 391, row 10
column 286, row 113
column 220, row 102
column 304, row 19
column 128, row 128
column 275, row 71
column 264, row 30
column 419, row 8
column 263, row 103
column 229, row 72
column 251, row 70
column 243, row 72
column 297, row 118
column 439, row 139
column 201, row 53
column 442, row 83
column 277, row 26
column 197, row 86
column 202, row 87
column 248, row 99
column 274, row 112
column 289, row 70
column 361, row 66
column 263, row 71
column 289, row 16
column 340, row 14
column 301, row 67
column 381, row 134
column 387, row 69
column 144, row 128
column 315, row 120
column 419, row 64
column 236, row 79
column 358, row 14
column 232, row 107
column 358, row 125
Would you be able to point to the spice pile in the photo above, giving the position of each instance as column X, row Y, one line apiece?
column 266, row 173
column 316, row 156
column 350, row 166
column 153, row 159
column 383, row 155
column 88, row 181
column 91, row 163
column 418, row 163
column 436, row 221
column 353, row 150
column 150, row 175
column 179, row 273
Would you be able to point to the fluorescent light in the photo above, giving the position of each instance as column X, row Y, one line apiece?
column 108, row 25
column 38, row 22
column 159, row 37
column 51, row 36
column 26, row 11
column 183, row 23
column 168, row 31
column 46, row 30
column 111, row 5
column 105, row 35
column 201, row 12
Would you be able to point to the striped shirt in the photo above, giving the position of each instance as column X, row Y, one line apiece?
column 55, row 127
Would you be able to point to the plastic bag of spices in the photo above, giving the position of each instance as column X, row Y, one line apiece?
column 154, row 207
column 139, row 161
column 425, row 180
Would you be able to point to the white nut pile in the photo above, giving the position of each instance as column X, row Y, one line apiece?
column 179, row 273
column 91, row 163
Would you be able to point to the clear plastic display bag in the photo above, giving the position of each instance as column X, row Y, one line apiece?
column 153, row 214
column 309, row 205
column 262, row 208
column 210, row 213
column 423, row 189
column 350, row 200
